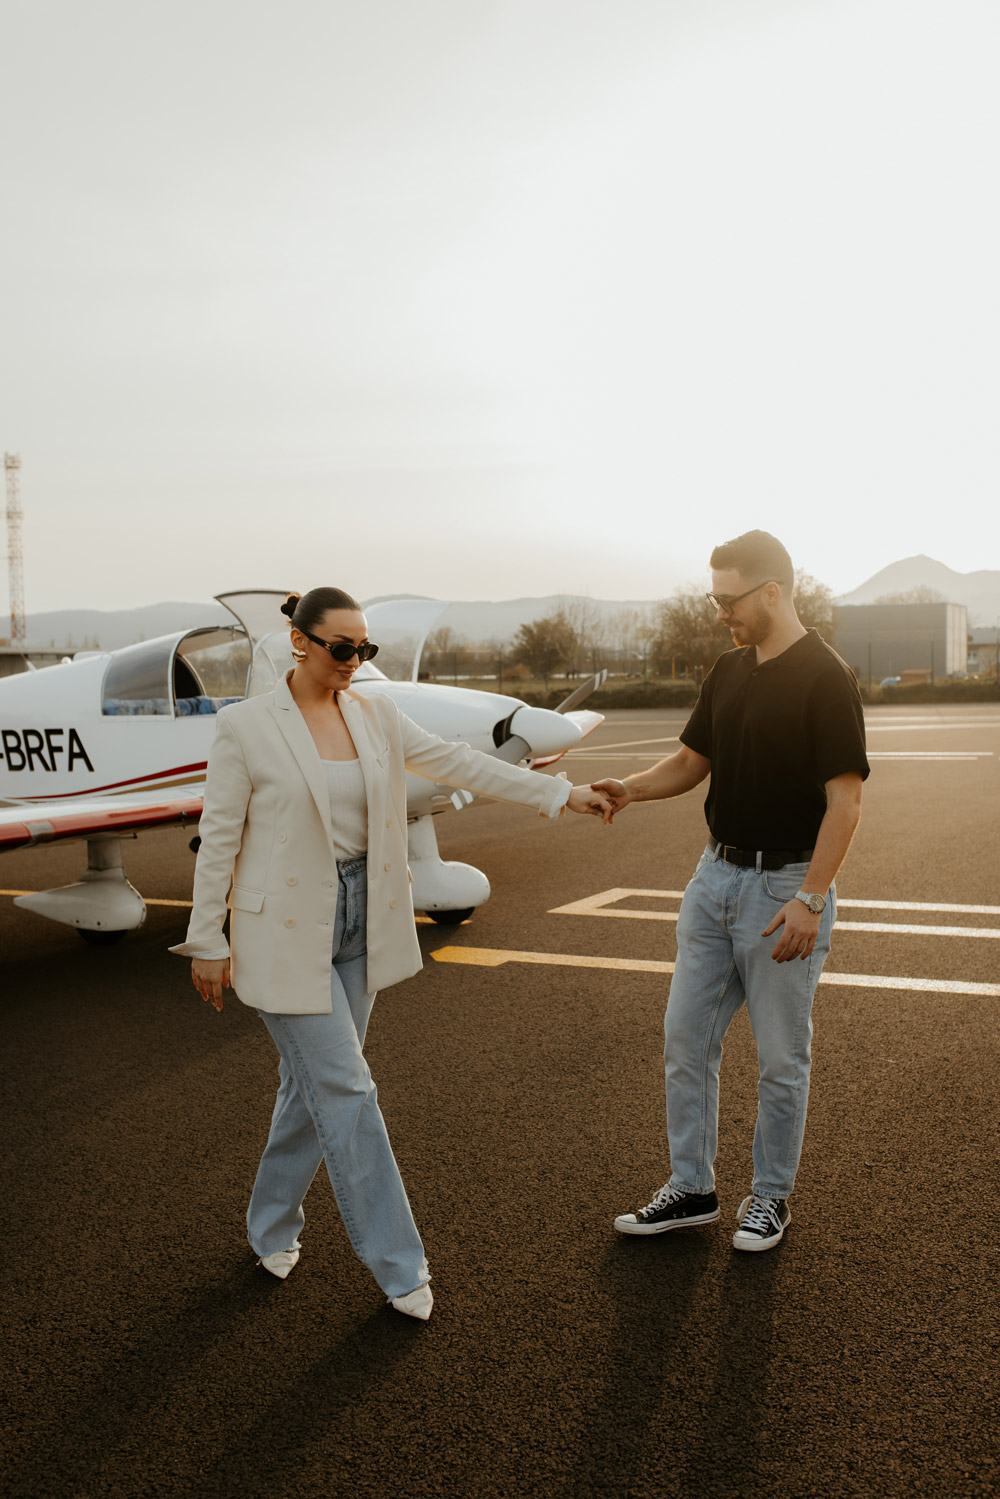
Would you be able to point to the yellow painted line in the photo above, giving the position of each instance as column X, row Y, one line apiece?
column 149, row 902
column 488, row 957
column 186, row 904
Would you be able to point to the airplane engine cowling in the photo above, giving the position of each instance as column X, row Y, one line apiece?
column 547, row 733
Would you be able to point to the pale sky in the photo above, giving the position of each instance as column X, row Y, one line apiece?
column 485, row 298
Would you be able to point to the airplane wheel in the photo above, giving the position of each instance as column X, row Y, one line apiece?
column 451, row 918
column 99, row 939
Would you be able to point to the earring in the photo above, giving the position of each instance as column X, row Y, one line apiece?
column 298, row 655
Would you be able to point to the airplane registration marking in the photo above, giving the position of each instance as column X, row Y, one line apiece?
column 487, row 957
column 601, row 904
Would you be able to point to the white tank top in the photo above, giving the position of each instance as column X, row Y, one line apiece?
column 348, row 807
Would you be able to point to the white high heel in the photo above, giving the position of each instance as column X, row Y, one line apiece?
column 280, row 1262
column 416, row 1303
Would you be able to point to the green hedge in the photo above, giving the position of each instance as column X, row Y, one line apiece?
column 969, row 690
column 618, row 693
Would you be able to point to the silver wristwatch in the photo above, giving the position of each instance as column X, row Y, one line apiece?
column 816, row 903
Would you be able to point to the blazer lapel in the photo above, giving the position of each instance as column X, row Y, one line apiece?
column 299, row 740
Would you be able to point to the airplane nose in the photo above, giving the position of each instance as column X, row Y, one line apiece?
column 546, row 733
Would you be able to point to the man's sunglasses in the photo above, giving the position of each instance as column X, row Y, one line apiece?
column 727, row 605
column 344, row 650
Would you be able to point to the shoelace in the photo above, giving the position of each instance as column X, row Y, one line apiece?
column 760, row 1217
column 664, row 1197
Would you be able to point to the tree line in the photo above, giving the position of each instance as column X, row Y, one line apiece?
column 679, row 637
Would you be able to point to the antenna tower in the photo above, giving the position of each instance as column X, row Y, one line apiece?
column 15, row 551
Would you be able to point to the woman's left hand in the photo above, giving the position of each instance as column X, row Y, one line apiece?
column 586, row 799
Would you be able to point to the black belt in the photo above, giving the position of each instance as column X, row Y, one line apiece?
column 770, row 858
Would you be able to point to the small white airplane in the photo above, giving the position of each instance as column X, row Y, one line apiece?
column 111, row 743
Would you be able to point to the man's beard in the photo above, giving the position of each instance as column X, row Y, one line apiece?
column 752, row 630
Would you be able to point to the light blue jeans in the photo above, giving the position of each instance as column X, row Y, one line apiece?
column 723, row 962
column 327, row 1108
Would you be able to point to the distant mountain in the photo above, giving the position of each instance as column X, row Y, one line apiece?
column 113, row 628
column 500, row 619
column 978, row 591
column 79, row 629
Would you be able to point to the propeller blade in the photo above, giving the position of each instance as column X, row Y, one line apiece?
column 512, row 750
column 582, row 692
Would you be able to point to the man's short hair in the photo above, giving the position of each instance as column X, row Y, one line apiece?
column 755, row 554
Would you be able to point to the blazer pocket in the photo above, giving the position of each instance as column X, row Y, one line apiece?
column 382, row 757
column 246, row 900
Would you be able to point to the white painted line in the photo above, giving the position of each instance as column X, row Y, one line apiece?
column 600, row 754
column 610, row 753
column 916, row 930
column 603, row 904
column 930, row 754
column 486, row 957
column 882, row 725
column 918, row 905
column 628, row 743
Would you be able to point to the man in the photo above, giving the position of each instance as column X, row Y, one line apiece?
column 778, row 727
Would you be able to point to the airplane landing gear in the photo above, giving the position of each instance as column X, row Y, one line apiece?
column 451, row 918
column 102, row 906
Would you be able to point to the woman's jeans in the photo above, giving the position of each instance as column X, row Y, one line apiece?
column 327, row 1108
column 722, row 963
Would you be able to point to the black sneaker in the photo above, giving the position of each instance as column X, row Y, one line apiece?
column 670, row 1208
column 762, row 1221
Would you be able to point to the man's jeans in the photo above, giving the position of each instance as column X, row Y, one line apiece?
column 722, row 962
column 327, row 1107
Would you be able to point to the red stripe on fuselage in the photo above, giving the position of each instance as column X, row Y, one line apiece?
column 158, row 775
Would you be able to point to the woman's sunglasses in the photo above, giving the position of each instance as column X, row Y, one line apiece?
column 344, row 650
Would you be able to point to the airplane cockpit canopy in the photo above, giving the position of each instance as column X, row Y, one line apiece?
column 198, row 673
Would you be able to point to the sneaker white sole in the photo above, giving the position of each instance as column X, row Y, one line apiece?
column 281, row 1263
column 416, row 1303
column 629, row 1224
column 750, row 1241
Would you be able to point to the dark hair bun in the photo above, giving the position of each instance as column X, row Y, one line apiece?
column 289, row 606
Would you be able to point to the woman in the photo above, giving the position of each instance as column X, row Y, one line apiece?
column 305, row 814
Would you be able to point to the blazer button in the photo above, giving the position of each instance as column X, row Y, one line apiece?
column 291, row 880
column 290, row 921
column 393, row 904
column 282, row 837
column 387, row 867
column 388, row 822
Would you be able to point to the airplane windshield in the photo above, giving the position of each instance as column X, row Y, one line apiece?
column 198, row 674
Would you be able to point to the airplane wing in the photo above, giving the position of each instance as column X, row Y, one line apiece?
column 27, row 823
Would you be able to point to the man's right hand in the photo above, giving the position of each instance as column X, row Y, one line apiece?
column 616, row 793
column 210, row 977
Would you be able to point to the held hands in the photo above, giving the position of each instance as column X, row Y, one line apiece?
column 801, row 930
column 590, row 799
column 615, row 793
column 210, row 977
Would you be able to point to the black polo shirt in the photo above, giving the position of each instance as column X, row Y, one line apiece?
column 775, row 734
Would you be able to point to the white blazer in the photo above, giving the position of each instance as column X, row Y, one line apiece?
column 265, row 831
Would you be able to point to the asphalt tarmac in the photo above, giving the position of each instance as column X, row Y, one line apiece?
column 146, row 1355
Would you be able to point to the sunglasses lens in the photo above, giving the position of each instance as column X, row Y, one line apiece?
column 344, row 651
